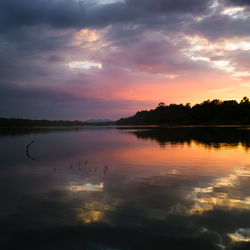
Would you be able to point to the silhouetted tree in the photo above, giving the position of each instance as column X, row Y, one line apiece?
column 207, row 112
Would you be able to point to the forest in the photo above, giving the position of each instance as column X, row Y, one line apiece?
column 208, row 112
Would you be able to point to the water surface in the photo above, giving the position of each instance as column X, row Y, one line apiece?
column 125, row 188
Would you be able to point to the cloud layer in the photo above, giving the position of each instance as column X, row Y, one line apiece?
column 107, row 59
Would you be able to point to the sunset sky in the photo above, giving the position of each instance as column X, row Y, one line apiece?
column 82, row 59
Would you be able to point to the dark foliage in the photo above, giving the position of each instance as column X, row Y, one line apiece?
column 207, row 112
column 17, row 122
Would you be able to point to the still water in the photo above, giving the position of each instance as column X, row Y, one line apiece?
column 125, row 188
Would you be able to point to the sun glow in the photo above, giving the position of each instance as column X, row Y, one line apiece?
column 237, row 45
column 85, row 35
column 235, row 12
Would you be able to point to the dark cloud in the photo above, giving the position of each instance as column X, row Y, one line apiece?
column 30, row 101
column 239, row 58
column 38, row 102
column 154, row 51
column 76, row 14
column 16, row 13
column 162, row 6
column 239, row 2
column 226, row 27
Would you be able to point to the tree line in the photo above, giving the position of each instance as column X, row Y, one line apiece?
column 18, row 122
column 207, row 112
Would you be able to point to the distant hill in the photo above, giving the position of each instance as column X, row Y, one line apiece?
column 98, row 121
column 208, row 112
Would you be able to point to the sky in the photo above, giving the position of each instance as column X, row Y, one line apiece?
column 106, row 59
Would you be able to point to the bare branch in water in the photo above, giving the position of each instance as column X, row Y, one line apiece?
column 27, row 151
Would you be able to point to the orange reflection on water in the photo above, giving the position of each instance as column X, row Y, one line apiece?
column 92, row 212
column 87, row 187
column 182, row 159
column 241, row 235
column 91, row 216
